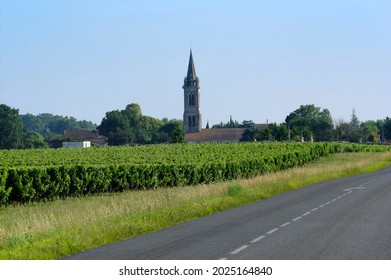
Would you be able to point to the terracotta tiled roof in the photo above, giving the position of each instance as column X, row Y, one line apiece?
column 215, row 135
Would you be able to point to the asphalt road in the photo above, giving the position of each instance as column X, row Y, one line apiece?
column 347, row 218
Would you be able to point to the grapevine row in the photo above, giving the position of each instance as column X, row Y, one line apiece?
column 150, row 167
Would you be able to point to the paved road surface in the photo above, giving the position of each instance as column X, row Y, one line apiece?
column 347, row 218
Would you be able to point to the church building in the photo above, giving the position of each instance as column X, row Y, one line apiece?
column 192, row 119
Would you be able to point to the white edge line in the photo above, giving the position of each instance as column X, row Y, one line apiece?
column 306, row 213
column 295, row 219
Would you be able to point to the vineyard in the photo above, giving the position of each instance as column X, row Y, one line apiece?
column 40, row 175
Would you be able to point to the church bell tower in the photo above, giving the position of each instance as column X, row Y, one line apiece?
column 192, row 121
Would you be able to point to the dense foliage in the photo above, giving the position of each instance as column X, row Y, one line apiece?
column 234, row 124
column 130, row 126
column 33, row 175
column 310, row 121
column 11, row 128
column 123, row 127
column 368, row 131
column 29, row 131
column 48, row 124
column 271, row 132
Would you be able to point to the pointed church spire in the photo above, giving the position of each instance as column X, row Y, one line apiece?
column 192, row 119
column 191, row 73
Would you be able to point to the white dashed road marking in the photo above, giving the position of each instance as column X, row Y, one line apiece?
column 296, row 219
column 272, row 231
column 284, row 225
column 347, row 192
column 257, row 239
column 239, row 249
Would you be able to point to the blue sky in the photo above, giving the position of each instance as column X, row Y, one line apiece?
column 256, row 60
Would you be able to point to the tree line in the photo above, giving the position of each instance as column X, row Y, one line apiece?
column 50, row 126
column 311, row 123
column 30, row 131
column 123, row 127
column 129, row 127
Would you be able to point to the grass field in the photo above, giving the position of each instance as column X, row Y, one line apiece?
column 62, row 227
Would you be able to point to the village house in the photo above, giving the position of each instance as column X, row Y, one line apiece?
column 84, row 135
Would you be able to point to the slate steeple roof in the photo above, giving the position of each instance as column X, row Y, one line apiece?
column 191, row 73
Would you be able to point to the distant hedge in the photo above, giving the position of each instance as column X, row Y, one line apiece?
column 40, row 175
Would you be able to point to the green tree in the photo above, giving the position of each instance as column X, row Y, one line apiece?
column 341, row 130
column 266, row 134
column 11, row 128
column 354, row 134
column 234, row 124
column 380, row 127
column 354, row 121
column 146, row 129
column 33, row 123
column 247, row 124
column 280, row 132
column 177, row 134
column 251, row 134
column 130, row 126
column 369, row 131
column 387, row 128
column 309, row 121
column 170, row 132
column 116, row 126
column 272, row 132
column 34, row 140
column 373, row 137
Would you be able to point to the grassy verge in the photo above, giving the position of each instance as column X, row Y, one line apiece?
column 59, row 228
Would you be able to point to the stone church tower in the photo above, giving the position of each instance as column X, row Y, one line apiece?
column 192, row 121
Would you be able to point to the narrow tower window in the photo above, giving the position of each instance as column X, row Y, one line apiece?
column 191, row 100
column 190, row 121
